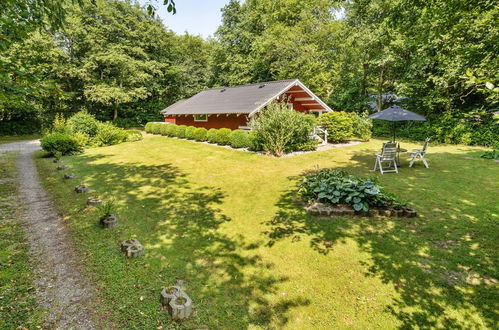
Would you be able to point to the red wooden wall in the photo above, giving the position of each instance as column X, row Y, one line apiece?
column 214, row 121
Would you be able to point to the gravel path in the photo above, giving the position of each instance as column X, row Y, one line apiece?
column 60, row 287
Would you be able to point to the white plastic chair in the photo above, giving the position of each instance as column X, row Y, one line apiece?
column 388, row 156
column 419, row 154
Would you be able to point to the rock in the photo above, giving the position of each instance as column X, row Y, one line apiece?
column 61, row 167
column 400, row 213
column 68, row 176
column 169, row 293
column 81, row 189
column 325, row 210
column 94, row 200
column 180, row 308
column 108, row 221
column 129, row 242
column 57, row 160
column 348, row 212
column 336, row 212
column 373, row 212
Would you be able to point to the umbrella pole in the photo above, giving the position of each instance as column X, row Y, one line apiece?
column 393, row 130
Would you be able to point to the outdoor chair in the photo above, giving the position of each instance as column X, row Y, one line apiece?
column 419, row 153
column 388, row 156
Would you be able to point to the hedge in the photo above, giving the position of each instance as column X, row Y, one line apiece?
column 239, row 139
column 223, row 136
column 212, row 135
column 189, row 132
column 200, row 134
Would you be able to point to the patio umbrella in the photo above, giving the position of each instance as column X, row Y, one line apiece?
column 394, row 114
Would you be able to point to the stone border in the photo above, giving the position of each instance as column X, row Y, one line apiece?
column 108, row 221
column 132, row 248
column 177, row 302
column 337, row 210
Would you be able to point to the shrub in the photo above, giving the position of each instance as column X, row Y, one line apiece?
column 223, row 136
column 180, row 132
column 83, row 122
column 200, row 134
column 279, row 129
column 60, row 124
column 108, row 134
column 82, row 138
column 253, row 142
column 212, row 135
column 156, row 128
column 339, row 125
column 162, row 129
column 337, row 186
column 148, row 127
column 362, row 127
column 133, row 135
column 189, row 132
column 62, row 143
column 171, row 130
column 239, row 139
column 491, row 154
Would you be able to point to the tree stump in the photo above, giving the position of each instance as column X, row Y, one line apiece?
column 135, row 251
column 94, row 200
column 81, row 189
column 127, row 243
column 61, row 167
column 56, row 161
column 108, row 221
column 169, row 293
column 68, row 176
column 180, row 308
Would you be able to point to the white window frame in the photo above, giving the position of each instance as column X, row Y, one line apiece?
column 196, row 118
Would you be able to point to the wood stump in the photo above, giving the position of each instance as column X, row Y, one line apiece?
column 68, row 176
column 108, row 221
column 93, row 201
column 61, row 167
column 81, row 189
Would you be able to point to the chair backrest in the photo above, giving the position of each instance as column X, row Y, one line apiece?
column 388, row 144
column 389, row 153
column 425, row 145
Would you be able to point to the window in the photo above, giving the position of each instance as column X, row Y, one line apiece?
column 200, row 117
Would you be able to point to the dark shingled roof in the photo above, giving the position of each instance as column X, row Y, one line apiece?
column 244, row 99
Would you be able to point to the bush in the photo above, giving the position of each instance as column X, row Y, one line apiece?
column 253, row 142
column 60, row 125
column 156, row 127
column 212, row 135
column 171, row 130
column 239, row 139
column 492, row 154
column 83, row 122
column 279, row 129
column 339, row 125
column 200, row 134
column 362, row 127
column 148, row 127
column 338, row 187
column 223, row 136
column 133, row 135
column 180, row 132
column 189, row 132
column 62, row 143
column 108, row 134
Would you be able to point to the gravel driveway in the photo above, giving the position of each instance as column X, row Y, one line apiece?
column 61, row 289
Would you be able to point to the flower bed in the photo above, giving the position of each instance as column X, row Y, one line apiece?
column 330, row 192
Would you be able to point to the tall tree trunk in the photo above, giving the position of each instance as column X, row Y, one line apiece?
column 115, row 112
column 379, row 99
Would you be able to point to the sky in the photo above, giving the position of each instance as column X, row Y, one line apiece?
column 198, row 17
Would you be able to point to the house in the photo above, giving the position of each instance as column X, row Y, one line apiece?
column 233, row 107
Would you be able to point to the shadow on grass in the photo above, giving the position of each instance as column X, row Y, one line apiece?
column 180, row 225
column 444, row 260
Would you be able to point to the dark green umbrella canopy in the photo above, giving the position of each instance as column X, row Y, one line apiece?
column 396, row 113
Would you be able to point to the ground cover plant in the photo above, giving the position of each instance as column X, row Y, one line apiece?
column 18, row 307
column 250, row 257
column 338, row 187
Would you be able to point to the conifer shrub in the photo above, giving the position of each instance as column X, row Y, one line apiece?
column 212, row 135
column 223, row 136
column 200, row 134
column 239, row 139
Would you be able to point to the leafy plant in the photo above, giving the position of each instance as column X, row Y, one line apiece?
column 339, row 125
column 189, row 132
column 362, row 127
column 180, row 132
column 337, row 186
column 212, row 135
column 133, row 135
column 239, row 139
column 200, row 134
column 107, row 208
column 277, row 129
column 83, row 122
column 108, row 134
column 223, row 136
column 58, row 155
column 492, row 154
column 62, row 143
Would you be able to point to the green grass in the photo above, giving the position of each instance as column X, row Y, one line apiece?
column 17, row 303
column 16, row 138
column 225, row 222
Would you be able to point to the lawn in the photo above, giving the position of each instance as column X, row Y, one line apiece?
column 18, row 307
column 224, row 221
column 16, row 138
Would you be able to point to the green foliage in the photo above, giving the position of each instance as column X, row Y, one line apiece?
column 133, row 135
column 107, row 208
column 212, row 135
column 83, row 122
column 279, row 129
column 148, row 127
column 200, row 134
column 338, row 187
column 239, row 139
column 254, row 143
column 163, row 129
column 362, row 127
column 491, row 154
column 108, row 134
column 62, row 143
column 189, row 132
column 171, row 130
column 223, row 136
column 339, row 125
column 180, row 132
column 60, row 124
column 156, row 127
